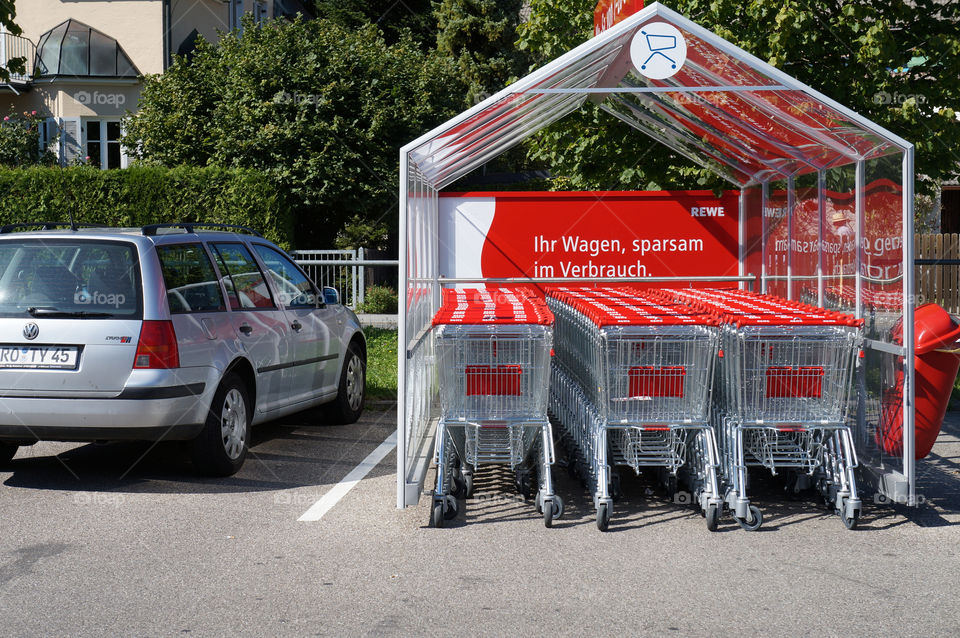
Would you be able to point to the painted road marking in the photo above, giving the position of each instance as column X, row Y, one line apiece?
column 331, row 498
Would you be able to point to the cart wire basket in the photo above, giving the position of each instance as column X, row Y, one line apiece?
column 783, row 394
column 632, row 383
column 493, row 353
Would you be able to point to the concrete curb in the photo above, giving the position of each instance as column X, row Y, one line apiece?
column 387, row 322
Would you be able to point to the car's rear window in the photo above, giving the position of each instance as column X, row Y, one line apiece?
column 69, row 277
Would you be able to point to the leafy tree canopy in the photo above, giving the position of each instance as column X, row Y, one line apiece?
column 321, row 108
column 897, row 63
column 480, row 36
column 392, row 17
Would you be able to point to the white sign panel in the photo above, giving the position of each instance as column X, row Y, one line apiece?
column 658, row 50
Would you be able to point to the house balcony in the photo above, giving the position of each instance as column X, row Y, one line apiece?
column 15, row 46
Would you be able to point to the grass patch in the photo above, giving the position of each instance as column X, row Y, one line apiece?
column 381, row 363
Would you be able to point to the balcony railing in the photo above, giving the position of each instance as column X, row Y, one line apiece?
column 15, row 46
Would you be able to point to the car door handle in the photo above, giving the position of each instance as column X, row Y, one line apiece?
column 296, row 325
column 245, row 329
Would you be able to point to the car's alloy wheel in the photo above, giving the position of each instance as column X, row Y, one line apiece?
column 233, row 423
column 351, row 391
column 221, row 447
column 355, row 381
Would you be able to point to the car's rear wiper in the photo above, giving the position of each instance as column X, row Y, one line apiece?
column 54, row 312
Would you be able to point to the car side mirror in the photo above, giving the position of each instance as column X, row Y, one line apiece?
column 330, row 296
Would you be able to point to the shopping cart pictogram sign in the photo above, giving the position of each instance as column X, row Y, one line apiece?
column 657, row 45
column 658, row 50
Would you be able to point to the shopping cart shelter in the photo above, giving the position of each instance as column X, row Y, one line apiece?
column 825, row 212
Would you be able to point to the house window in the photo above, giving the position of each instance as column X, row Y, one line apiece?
column 102, row 144
column 260, row 13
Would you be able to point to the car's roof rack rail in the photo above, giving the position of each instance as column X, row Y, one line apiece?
column 189, row 227
column 9, row 228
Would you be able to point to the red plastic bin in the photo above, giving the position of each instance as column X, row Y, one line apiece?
column 936, row 361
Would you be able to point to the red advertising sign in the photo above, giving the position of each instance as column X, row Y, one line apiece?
column 589, row 235
column 609, row 12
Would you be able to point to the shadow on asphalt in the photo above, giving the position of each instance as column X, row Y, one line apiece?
column 300, row 450
column 645, row 502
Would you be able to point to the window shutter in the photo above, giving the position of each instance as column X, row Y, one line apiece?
column 48, row 135
column 70, row 138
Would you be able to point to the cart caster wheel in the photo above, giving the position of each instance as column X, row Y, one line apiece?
column 436, row 520
column 851, row 522
column 538, row 503
column 712, row 515
column 671, row 487
column 603, row 517
column 467, row 484
column 755, row 521
column 451, row 509
column 553, row 512
column 459, row 487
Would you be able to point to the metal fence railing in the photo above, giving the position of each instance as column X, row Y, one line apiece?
column 15, row 46
column 346, row 270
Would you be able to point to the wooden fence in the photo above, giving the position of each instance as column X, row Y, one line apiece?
column 938, row 283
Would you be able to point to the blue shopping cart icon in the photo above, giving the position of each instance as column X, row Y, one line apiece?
column 657, row 45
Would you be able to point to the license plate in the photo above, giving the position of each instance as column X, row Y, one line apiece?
column 58, row 357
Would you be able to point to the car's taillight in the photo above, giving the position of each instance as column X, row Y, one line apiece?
column 157, row 347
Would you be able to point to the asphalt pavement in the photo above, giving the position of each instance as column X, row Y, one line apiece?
column 124, row 539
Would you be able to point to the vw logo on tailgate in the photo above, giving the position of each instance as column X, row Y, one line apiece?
column 31, row 330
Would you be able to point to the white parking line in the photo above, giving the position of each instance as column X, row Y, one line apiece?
column 331, row 498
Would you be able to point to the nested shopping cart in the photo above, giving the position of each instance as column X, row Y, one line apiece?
column 493, row 353
column 785, row 376
column 631, row 386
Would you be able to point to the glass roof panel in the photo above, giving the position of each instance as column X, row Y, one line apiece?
column 73, row 48
column 48, row 52
column 727, row 111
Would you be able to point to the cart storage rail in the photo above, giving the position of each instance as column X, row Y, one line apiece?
column 785, row 378
column 631, row 386
column 493, row 352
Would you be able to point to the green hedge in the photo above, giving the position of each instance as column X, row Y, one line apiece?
column 146, row 195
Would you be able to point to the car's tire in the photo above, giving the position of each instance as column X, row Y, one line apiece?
column 352, row 390
column 7, row 451
column 221, row 447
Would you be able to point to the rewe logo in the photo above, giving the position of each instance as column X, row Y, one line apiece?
column 658, row 50
column 707, row 211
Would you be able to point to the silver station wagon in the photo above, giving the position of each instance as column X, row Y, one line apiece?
column 172, row 332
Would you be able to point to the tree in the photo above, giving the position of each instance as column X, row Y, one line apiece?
column 320, row 108
column 896, row 63
column 392, row 17
column 480, row 35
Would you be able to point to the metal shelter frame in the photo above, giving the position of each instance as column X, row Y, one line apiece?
column 826, row 208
